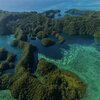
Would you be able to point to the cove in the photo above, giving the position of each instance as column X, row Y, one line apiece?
column 84, row 60
column 79, row 54
column 55, row 50
column 5, row 42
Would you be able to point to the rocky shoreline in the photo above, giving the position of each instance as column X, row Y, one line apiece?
column 36, row 79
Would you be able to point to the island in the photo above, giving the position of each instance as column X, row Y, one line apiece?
column 40, row 79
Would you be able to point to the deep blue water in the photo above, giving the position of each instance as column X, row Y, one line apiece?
column 80, row 54
column 62, row 14
column 55, row 50
column 5, row 42
column 83, row 58
column 75, row 15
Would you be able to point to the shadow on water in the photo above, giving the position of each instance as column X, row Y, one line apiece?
column 55, row 50
column 5, row 42
column 83, row 58
column 35, row 59
column 80, row 55
column 97, row 43
column 52, row 51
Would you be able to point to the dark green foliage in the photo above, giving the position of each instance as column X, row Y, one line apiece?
column 55, row 84
column 11, row 65
column 28, row 60
column 24, row 87
column 18, row 43
column 5, row 81
column 59, row 37
column 41, row 35
column 7, row 60
column 14, row 43
column 3, row 54
column 58, row 84
column 11, row 57
column 4, row 30
column 80, row 25
column 32, row 36
column 0, row 73
column 4, row 65
column 31, row 23
column 91, row 13
column 47, row 42
column 38, row 28
column 45, row 68
column 97, row 33
column 20, row 35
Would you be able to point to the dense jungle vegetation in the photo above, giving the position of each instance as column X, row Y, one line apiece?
column 35, row 79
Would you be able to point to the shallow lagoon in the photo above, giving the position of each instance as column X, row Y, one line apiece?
column 84, row 60
column 5, row 42
column 6, row 95
column 80, row 54
column 55, row 50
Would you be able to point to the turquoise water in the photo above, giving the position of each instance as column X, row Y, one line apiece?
column 84, row 60
column 80, row 54
column 5, row 42
column 6, row 95
column 55, row 50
